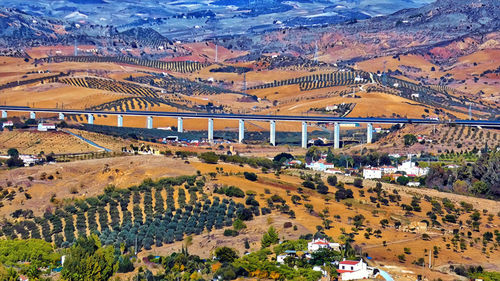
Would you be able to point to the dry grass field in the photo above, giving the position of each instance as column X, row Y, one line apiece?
column 32, row 142
column 81, row 179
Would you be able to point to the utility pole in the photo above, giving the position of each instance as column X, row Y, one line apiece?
column 216, row 53
column 244, row 82
column 76, row 49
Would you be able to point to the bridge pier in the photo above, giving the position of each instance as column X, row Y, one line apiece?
column 272, row 132
column 304, row 134
column 336, row 135
column 32, row 115
column 180, row 128
column 241, row 130
column 61, row 116
column 90, row 119
column 369, row 133
column 120, row 120
column 149, row 122
column 210, row 130
column 4, row 113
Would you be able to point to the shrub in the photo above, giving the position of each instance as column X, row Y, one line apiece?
column 308, row 184
column 250, row 176
column 322, row 188
column 209, row 157
column 332, row 180
column 358, row 182
column 230, row 232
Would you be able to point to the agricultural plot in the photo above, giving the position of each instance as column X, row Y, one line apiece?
column 179, row 86
column 153, row 213
column 175, row 66
column 111, row 85
column 437, row 96
column 318, row 81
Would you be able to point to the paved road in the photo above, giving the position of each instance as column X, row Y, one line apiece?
column 484, row 123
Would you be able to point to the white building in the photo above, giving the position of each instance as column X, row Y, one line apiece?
column 354, row 270
column 7, row 124
column 43, row 127
column 320, row 165
column 317, row 244
column 372, row 173
column 413, row 183
column 334, row 171
column 388, row 169
column 411, row 169
column 331, row 107
column 29, row 160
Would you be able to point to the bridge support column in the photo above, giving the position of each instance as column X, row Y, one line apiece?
column 369, row 133
column 32, row 115
column 90, row 119
column 61, row 116
column 4, row 113
column 210, row 130
column 336, row 135
column 241, row 130
column 304, row 134
column 272, row 132
column 150, row 122
column 120, row 120
column 180, row 127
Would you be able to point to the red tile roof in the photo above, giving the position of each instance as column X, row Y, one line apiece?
column 343, row 271
column 349, row 262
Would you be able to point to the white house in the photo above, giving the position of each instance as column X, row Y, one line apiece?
column 43, row 127
column 411, row 169
column 388, row 169
column 413, row 183
column 354, row 270
column 333, row 171
column 29, row 160
column 320, row 165
column 7, row 124
column 317, row 244
column 372, row 173
column 331, row 107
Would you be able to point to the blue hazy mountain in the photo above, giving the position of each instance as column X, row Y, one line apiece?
column 187, row 20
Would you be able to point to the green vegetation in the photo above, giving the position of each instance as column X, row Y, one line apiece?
column 88, row 260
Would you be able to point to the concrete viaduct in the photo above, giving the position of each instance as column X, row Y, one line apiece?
column 272, row 119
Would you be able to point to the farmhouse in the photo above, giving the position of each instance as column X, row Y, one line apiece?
column 317, row 244
column 372, row 173
column 411, row 169
column 7, row 124
column 353, row 270
column 320, row 165
column 44, row 127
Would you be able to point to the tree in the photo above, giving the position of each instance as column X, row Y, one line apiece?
column 332, row 180
column 402, row 180
column 239, row 225
column 14, row 160
column 88, row 260
column 409, row 139
column 226, row 254
column 250, row 176
column 13, row 152
column 384, row 223
column 322, row 188
column 358, row 182
column 282, row 157
column 270, row 237
column 358, row 220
